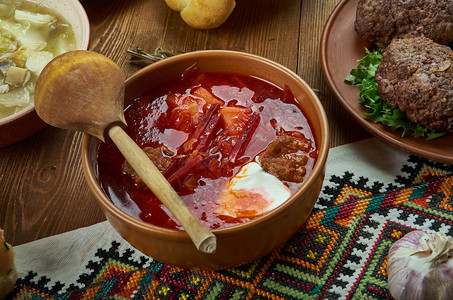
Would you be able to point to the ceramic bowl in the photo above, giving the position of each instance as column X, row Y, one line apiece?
column 26, row 122
column 240, row 243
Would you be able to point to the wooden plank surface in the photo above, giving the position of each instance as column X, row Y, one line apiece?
column 43, row 191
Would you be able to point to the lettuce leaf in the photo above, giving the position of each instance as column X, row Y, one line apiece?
column 379, row 111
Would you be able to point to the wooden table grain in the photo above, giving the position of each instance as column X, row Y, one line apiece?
column 42, row 188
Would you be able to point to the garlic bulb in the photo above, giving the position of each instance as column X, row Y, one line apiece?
column 420, row 266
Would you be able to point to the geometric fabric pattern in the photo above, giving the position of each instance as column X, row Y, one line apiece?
column 340, row 252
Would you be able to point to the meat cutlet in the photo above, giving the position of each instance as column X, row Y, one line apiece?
column 416, row 75
column 380, row 21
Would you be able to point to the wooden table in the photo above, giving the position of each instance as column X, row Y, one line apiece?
column 42, row 188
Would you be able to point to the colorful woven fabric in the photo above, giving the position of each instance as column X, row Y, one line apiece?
column 339, row 253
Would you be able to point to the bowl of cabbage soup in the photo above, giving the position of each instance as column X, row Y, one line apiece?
column 31, row 34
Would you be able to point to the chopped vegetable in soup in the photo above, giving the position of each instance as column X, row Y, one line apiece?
column 30, row 36
column 233, row 147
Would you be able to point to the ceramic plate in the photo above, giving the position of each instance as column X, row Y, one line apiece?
column 340, row 48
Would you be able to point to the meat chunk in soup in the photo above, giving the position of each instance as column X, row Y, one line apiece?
column 160, row 156
column 286, row 157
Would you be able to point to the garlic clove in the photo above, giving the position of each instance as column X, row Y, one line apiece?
column 8, row 272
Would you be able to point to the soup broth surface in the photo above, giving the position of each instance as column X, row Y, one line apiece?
column 203, row 131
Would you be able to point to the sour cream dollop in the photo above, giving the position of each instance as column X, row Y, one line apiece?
column 252, row 192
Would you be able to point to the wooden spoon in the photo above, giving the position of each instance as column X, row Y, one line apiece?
column 84, row 91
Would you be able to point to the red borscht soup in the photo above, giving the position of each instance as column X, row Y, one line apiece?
column 233, row 147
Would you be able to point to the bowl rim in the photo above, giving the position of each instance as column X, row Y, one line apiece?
column 176, row 234
column 85, row 43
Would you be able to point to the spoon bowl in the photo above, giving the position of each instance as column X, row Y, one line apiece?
column 82, row 91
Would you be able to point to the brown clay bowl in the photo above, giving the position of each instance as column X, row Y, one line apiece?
column 240, row 243
column 26, row 122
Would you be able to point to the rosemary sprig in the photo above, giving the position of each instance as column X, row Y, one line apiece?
column 140, row 54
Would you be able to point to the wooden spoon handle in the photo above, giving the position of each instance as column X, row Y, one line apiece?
column 204, row 240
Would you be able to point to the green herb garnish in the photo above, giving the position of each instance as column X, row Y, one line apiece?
column 379, row 111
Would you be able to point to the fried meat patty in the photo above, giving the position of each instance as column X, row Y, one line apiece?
column 416, row 75
column 380, row 21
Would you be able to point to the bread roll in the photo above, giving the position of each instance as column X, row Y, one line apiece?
column 203, row 14
column 8, row 274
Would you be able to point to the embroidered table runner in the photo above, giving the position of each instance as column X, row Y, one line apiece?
column 372, row 195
